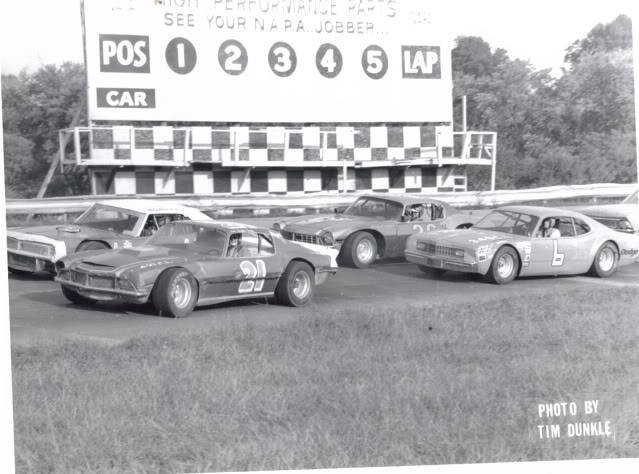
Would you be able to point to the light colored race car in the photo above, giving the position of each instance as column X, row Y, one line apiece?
column 374, row 226
column 186, row 264
column 515, row 241
column 623, row 216
column 106, row 224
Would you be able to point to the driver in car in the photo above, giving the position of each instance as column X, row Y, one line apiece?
column 414, row 212
column 550, row 228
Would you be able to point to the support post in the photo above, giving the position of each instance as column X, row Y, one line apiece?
column 493, row 171
column 464, row 125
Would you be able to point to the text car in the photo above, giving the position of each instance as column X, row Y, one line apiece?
column 106, row 224
column 186, row 264
column 517, row 241
column 374, row 226
column 623, row 216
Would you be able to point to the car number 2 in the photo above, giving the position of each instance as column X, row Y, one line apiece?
column 253, row 273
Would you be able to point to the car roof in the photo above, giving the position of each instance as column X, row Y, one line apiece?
column 229, row 226
column 404, row 199
column 145, row 205
column 542, row 211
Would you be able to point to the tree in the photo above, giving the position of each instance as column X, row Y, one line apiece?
column 614, row 36
column 35, row 106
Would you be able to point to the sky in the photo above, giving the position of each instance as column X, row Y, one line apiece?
column 37, row 32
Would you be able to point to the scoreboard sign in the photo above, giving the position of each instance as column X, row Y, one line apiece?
column 270, row 61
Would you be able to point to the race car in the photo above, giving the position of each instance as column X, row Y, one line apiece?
column 623, row 216
column 187, row 264
column 374, row 226
column 515, row 241
column 106, row 224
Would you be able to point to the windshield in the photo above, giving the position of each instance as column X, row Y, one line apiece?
column 632, row 199
column 113, row 219
column 509, row 222
column 194, row 237
column 373, row 207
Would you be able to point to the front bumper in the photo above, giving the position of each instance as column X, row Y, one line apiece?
column 435, row 261
column 30, row 263
column 106, row 294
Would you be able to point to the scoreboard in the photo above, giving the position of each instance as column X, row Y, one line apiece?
column 266, row 61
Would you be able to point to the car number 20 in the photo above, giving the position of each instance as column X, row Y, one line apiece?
column 254, row 274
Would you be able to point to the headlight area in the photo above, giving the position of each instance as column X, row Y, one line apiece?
column 124, row 284
column 326, row 238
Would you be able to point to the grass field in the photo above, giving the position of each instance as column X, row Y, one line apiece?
column 413, row 385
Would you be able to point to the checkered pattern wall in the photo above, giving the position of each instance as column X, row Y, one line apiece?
column 208, row 180
column 270, row 145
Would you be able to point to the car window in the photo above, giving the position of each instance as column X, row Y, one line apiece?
column 510, row 222
column 265, row 246
column 555, row 227
column 373, row 207
column 243, row 244
column 113, row 219
column 190, row 236
column 581, row 227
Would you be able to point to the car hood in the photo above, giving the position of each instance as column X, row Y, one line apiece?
column 66, row 232
column 469, row 238
column 142, row 257
column 608, row 210
column 333, row 223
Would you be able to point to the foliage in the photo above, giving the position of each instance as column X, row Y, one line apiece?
column 576, row 129
column 35, row 106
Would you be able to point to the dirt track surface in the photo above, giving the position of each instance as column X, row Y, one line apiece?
column 39, row 311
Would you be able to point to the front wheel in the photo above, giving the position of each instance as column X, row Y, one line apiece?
column 175, row 293
column 359, row 250
column 74, row 297
column 504, row 267
column 606, row 261
column 296, row 285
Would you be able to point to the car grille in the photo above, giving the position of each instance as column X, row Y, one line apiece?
column 92, row 281
column 432, row 248
column 305, row 238
column 36, row 248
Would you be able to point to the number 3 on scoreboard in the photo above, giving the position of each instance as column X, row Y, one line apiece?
column 254, row 274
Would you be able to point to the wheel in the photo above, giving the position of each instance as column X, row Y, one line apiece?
column 74, row 297
column 92, row 245
column 359, row 250
column 175, row 293
column 296, row 285
column 464, row 226
column 430, row 271
column 504, row 267
column 606, row 261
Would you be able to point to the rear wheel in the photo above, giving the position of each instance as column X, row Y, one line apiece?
column 74, row 297
column 92, row 245
column 430, row 271
column 175, row 293
column 296, row 285
column 606, row 261
column 504, row 267
column 359, row 250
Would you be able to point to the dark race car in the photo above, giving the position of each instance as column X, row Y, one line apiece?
column 374, row 226
column 105, row 225
column 623, row 216
column 187, row 264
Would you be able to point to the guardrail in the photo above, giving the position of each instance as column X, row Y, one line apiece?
column 265, row 205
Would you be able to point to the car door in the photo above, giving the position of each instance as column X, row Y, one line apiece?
column 554, row 256
column 248, row 268
column 430, row 217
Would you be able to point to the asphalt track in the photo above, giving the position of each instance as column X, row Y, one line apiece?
column 39, row 311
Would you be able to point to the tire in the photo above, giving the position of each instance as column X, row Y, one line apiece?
column 175, row 293
column 92, row 245
column 296, row 285
column 430, row 271
column 359, row 250
column 606, row 261
column 467, row 225
column 504, row 267
column 74, row 297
